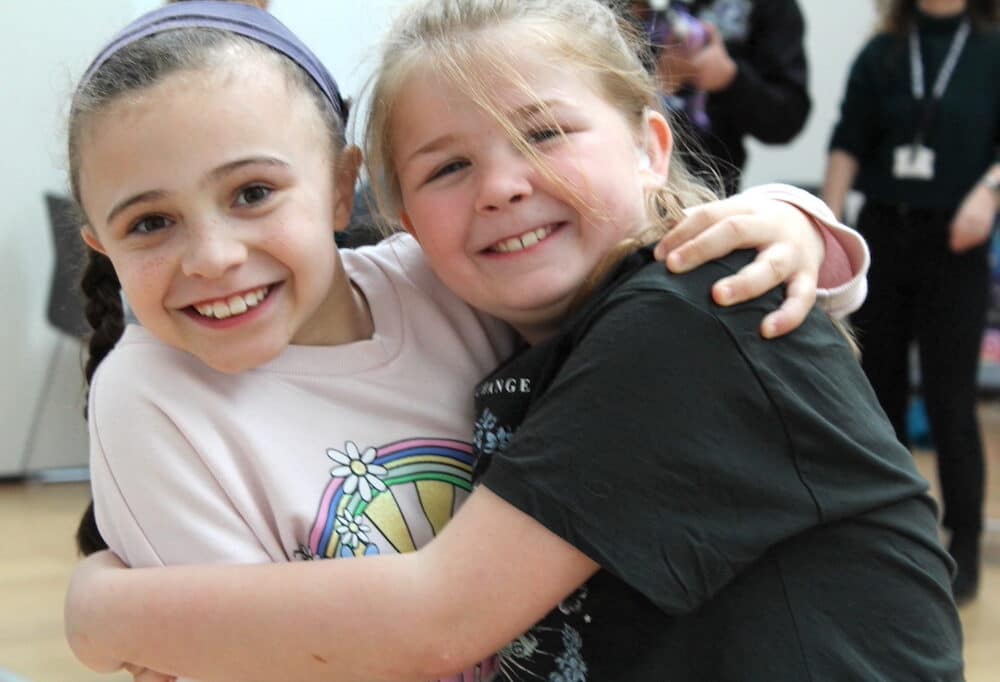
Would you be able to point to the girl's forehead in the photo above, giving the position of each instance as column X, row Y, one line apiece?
column 198, row 119
column 225, row 90
column 505, row 80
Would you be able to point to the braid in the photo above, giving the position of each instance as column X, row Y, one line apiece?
column 88, row 537
column 104, row 309
column 106, row 316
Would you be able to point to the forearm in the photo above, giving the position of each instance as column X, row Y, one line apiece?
column 841, row 169
column 417, row 616
column 273, row 622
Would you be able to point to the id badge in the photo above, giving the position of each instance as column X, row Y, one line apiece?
column 913, row 162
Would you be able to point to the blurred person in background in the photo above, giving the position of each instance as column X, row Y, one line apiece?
column 919, row 135
column 730, row 68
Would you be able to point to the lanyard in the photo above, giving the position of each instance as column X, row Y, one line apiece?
column 943, row 77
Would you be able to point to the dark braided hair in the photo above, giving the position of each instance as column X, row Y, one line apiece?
column 106, row 316
column 104, row 310
column 134, row 68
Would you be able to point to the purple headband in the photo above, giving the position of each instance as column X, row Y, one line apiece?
column 235, row 17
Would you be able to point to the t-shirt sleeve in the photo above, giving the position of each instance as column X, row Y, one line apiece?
column 657, row 452
column 155, row 500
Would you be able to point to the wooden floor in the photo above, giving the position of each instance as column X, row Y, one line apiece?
column 37, row 522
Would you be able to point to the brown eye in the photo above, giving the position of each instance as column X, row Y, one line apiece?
column 149, row 224
column 254, row 194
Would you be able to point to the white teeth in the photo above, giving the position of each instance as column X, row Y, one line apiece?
column 524, row 241
column 529, row 239
column 237, row 306
column 234, row 305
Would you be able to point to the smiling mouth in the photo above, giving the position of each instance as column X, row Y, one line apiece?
column 524, row 241
column 232, row 306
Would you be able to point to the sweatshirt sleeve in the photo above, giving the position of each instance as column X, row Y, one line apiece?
column 843, row 289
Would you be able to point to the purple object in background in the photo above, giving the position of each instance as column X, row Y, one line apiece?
column 676, row 27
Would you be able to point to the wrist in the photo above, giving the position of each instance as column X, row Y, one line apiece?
column 992, row 184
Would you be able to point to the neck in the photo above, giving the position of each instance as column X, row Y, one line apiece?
column 942, row 8
column 344, row 317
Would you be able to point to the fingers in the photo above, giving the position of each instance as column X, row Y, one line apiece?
column 702, row 237
column 693, row 224
column 772, row 266
column 800, row 296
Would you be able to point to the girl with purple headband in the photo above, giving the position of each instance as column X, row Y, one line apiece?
column 281, row 399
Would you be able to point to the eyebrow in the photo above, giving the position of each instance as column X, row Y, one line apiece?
column 432, row 146
column 526, row 112
column 215, row 174
column 535, row 108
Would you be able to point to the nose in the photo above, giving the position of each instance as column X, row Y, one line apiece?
column 504, row 181
column 212, row 250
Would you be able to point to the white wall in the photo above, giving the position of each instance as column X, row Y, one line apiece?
column 344, row 35
column 47, row 44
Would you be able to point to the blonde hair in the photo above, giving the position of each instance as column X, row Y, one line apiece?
column 459, row 37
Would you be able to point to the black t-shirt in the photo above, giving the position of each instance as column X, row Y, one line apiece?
column 879, row 114
column 754, row 515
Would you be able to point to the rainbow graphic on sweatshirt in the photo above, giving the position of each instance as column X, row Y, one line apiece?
column 390, row 499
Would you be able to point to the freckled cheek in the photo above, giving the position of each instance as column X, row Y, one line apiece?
column 143, row 271
column 144, row 281
column 295, row 236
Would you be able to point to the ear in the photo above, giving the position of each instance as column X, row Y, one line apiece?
column 345, row 178
column 657, row 143
column 90, row 239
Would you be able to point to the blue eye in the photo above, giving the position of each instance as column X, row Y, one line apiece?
column 149, row 224
column 252, row 194
column 448, row 168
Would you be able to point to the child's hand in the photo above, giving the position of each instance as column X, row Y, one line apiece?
column 82, row 600
column 791, row 251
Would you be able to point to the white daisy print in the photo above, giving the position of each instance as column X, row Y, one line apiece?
column 351, row 530
column 358, row 469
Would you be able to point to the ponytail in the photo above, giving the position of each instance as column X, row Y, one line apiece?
column 106, row 316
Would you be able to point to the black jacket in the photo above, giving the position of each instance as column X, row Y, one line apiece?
column 769, row 97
